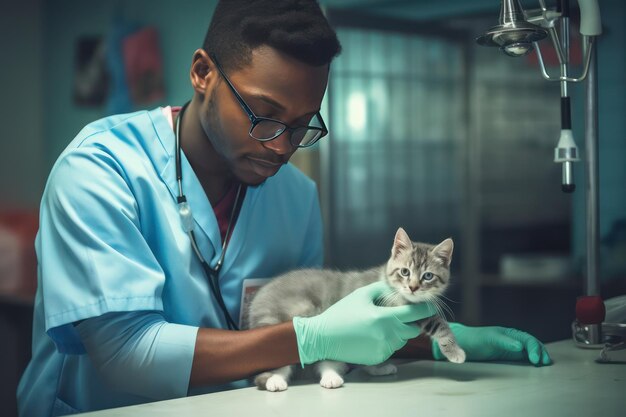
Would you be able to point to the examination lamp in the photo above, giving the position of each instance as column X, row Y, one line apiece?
column 518, row 32
column 513, row 34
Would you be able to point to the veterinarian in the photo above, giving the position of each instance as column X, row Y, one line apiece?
column 151, row 221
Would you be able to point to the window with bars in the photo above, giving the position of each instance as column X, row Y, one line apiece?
column 407, row 114
column 396, row 109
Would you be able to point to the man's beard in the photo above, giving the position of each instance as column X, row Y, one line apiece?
column 217, row 138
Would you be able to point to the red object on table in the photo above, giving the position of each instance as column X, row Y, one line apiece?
column 590, row 309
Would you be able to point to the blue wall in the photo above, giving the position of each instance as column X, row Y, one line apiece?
column 23, row 164
column 181, row 26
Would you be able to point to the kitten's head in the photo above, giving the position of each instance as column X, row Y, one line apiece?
column 418, row 271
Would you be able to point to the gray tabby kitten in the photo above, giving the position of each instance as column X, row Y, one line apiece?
column 415, row 272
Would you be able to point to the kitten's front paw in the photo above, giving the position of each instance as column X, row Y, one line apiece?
column 276, row 383
column 381, row 370
column 456, row 356
column 452, row 351
column 331, row 380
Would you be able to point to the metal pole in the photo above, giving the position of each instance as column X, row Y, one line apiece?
column 591, row 165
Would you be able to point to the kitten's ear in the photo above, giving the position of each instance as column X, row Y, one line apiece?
column 401, row 242
column 443, row 251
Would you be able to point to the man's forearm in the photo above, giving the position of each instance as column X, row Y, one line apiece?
column 418, row 348
column 225, row 355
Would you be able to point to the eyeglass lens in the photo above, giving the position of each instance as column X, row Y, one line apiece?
column 269, row 129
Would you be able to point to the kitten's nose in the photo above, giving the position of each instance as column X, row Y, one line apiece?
column 414, row 288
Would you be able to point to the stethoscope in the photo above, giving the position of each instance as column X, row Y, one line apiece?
column 186, row 217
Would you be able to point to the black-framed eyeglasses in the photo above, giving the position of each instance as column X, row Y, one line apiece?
column 265, row 129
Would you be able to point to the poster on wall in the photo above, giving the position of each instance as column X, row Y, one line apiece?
column 91, row 81
column 143, row 67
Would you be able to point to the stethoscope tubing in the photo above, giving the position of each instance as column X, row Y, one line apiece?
column 212, row 274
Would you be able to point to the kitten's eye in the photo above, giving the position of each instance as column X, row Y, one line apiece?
column 405, row 272
column 428, row 276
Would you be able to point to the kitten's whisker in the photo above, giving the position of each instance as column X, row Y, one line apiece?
column 446, row 308
column 395, row 298
column 388, row 299
column 398, row 299
column 391, row 298
column 441, row 312
column 435, row 302
column 449, row 299
column 382, row 301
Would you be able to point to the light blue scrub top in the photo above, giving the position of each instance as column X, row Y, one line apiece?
column 111, row 240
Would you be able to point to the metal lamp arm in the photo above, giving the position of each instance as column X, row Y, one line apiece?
column 542, row 67
column 590, row 26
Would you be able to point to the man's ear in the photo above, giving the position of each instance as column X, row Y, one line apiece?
column 202, row 72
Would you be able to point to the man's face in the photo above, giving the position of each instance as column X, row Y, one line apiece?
column 273, row 85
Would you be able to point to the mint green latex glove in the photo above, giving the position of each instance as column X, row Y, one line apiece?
column 497, row 343
column 356, row 330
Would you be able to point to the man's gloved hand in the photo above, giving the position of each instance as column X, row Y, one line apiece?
column 356, row 330
column 497, row 343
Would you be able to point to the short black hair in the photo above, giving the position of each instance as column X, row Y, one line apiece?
column 297, row 28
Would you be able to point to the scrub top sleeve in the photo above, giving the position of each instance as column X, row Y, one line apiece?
column 313, row 248
column 140, row 353
column 93, row 257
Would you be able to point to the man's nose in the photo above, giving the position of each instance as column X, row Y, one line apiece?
column 281, row 144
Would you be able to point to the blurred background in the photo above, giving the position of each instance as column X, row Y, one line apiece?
column 428, row 131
